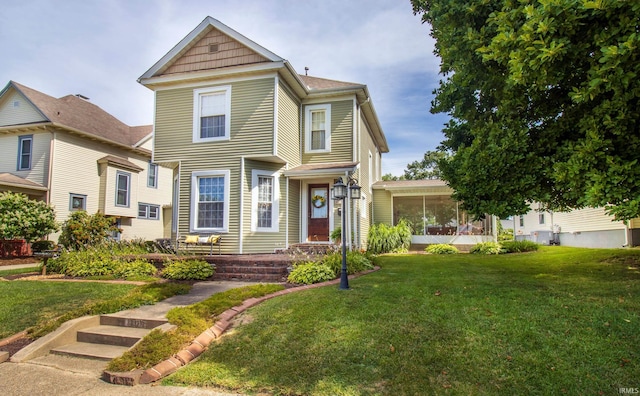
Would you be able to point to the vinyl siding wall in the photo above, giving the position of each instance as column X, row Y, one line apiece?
column 39, row 156
column 252, row 115
column 368, row 176
column 294, row 211
column 23, row 113
column 582, row 220
column 382, row 210
column 341, row 135
column 288, row 126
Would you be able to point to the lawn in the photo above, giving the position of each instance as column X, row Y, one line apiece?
column 558, row 321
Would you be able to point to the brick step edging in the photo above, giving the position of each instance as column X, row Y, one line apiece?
column 200, row 343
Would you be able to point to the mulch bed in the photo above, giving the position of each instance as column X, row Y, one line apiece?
column 16, row 345
column 19, row 260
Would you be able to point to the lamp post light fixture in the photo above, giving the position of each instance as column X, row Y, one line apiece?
column 341, row 191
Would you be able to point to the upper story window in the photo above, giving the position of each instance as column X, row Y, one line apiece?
column 521, row 220
column 211, row 114
column 318, row 128
column 264, row 195
column 25, row 151
column 152, row 176
column 123, row 188
column 210, row 201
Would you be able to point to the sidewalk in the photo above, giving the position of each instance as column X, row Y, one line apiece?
column 61, row 375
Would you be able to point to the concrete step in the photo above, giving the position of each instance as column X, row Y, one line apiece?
column 112, row 335
column 127, row 321
column 91, row 351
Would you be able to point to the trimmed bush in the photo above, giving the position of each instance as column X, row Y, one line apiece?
column 441, row 248
column 188, row 270
column 487, row 248
column 310, row 272
column 134, row 269
column 83, row 230
column 520, row 246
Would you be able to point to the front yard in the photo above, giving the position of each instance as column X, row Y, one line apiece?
column 561, row 320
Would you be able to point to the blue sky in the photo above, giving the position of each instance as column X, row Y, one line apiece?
column 100, row 48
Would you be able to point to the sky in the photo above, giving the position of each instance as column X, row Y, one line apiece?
column 99, row 48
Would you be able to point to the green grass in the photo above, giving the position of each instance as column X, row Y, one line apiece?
column 561, row 320
column 42, row 306
column 35, row 268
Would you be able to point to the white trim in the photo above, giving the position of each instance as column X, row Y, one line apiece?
column 304, row 202
column 328, row 99
column 276, row 97
column 198, row 83
column 355, row 127
column 197, row 95
column 175, row 202
column 241, row 209
column 275, row 209
column 195, row 175
column 307, row 127
column 128, row 176
column 197, row 77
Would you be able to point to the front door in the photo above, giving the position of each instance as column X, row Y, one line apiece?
column 318, row 213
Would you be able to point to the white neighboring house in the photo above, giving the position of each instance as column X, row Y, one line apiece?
column 589, row 227
column 72, row 154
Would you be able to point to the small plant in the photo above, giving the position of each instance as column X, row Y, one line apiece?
column 336, row 235
column 441, row 248
column 83, row 230
column 520, row 246
column 310, row 272
column 188, row 270
column 383, row 238
column 137, row 269
column 356, row 262
column 487, row 248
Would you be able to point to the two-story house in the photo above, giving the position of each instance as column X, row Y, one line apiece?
column 255, row 147
column 72, row 154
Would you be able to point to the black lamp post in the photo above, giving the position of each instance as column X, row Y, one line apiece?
column 340, row 191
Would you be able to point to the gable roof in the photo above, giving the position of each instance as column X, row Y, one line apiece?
column 81, row 116
column 321, row 84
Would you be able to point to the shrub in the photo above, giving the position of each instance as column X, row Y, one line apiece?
column 40, row 246
column 520, row 246
column 188, row 270
column 134, row 269
column 356, row 262
column 441, row 248
column 487, row 248
column 82, row 230
column 24, row 218
column 383, row 238
column 310, row 272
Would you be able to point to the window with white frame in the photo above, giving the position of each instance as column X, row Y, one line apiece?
column 148, row 211
column 264, row 195
column 318, row 128
column 211, row 114
column 77, row 202
column 25, row 151
column 152, row 175
column 210, row 201
column 123, row 188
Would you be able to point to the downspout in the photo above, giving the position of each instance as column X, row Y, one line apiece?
column 241, row 222
column 626, row 233
column 286, row 216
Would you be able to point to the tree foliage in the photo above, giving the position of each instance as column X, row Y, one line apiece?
column 83, row 230
column 544, row 99
column 24, row 218
column 427, row 168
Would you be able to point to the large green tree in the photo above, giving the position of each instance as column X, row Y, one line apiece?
column 427, row 168
column 544, row 99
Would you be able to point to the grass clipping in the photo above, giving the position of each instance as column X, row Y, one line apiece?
column 191, row 321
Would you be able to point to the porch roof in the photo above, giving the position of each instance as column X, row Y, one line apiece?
column 11, row 180
column 417, row 187
column 323, row 169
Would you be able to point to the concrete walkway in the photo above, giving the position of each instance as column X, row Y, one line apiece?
column 62, row 375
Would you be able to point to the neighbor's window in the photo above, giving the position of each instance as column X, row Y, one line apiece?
column 123, row 184
column 521, row 220
column 148, row 211
column 212, row 114
column 541, row 218
column 77, row 202
column 210, row 200
column 152, row 176
column 25, row 150
column 264, row 196
column 318, row 128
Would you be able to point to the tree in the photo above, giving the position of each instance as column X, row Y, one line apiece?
column 390, row 177
column 544, row 99
column 427, row 168
column 83, row 230
column 24, row 218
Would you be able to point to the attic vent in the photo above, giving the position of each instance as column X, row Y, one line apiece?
column 16, row 103
column 213, row 48
column 82, row 97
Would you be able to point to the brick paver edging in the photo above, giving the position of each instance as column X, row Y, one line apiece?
column 201, row 342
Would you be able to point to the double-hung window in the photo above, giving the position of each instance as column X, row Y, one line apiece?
column 148, row 211
column 318, row 128
column 25, row 151
column 77, row 202
column 264, row 195
column 152, row 175
column 211, row 114
column 123, row 188
column 210, row 201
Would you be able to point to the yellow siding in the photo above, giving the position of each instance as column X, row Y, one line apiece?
column 294, row 211
column 15, row 109
column 341, row 135
column 589, row 219
column 39, row 160
column 288, row 127
column 382, row 210
column 634, row 223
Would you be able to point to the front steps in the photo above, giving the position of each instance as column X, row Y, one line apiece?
column 114, row 336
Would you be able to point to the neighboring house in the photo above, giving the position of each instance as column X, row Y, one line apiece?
column 589, row 227
column 428, row 208
column 72, row 154
column 255, row 147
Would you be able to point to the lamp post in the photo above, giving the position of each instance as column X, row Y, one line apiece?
column 340, row 191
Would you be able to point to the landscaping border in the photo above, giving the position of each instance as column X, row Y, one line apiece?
column 202, row 342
